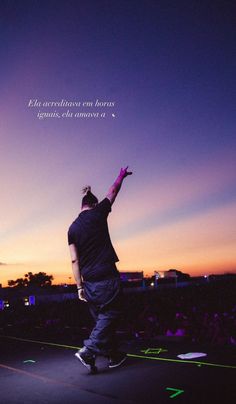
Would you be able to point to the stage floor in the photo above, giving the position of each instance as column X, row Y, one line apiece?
column 38, row 371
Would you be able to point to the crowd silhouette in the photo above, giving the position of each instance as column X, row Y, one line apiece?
column 204, row 313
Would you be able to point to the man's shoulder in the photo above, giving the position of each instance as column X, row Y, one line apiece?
column 71, row 233
column 73, row 225
column 104, row 205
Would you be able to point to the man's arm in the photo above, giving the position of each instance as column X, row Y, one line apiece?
column 113, row 191
column 76, row 271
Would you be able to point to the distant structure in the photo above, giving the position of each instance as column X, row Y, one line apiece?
column 131, row 276
column 171, row 273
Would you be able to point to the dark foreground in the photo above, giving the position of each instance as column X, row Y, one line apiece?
column 48, row 372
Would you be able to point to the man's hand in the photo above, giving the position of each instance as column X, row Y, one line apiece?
column 81, row 295
column 124, row 173
column 113, row 191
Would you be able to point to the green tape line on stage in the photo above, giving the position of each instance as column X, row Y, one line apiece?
column 41, row 342
column 183, row 361
column 130, row 355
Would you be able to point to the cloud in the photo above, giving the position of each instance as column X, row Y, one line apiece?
column 3, row 263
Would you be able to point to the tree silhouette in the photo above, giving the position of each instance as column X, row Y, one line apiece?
column 19, row 282
column 41, row 279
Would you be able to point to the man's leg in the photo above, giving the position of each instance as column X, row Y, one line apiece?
column 94, row 310
column 86, row 356
column 105, row 302
column 102, row 339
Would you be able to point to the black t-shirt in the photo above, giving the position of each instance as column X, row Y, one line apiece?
column 89, row 232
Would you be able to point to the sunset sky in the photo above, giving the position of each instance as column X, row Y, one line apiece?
column 169, row 67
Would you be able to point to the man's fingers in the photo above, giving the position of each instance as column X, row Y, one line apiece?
column 128, row 173
column 125, row 172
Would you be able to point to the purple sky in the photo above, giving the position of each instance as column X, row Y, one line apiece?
column 170, row 69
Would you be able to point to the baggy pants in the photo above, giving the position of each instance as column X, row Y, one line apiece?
column 104, row 300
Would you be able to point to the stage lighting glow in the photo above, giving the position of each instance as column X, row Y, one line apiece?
column 32, row 300
column 6, row 304
column 29, row 301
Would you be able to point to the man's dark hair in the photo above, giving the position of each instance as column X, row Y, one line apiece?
column 89, row 199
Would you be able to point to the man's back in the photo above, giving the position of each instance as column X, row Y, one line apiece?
column 89, row 233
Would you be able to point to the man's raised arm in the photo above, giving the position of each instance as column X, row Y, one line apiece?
column 113, row 191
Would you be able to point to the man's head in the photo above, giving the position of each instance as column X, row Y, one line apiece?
column 89, row 200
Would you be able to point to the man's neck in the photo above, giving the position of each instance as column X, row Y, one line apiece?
column 86, row 208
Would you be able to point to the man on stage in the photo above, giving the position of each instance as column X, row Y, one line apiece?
column 98, row 280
